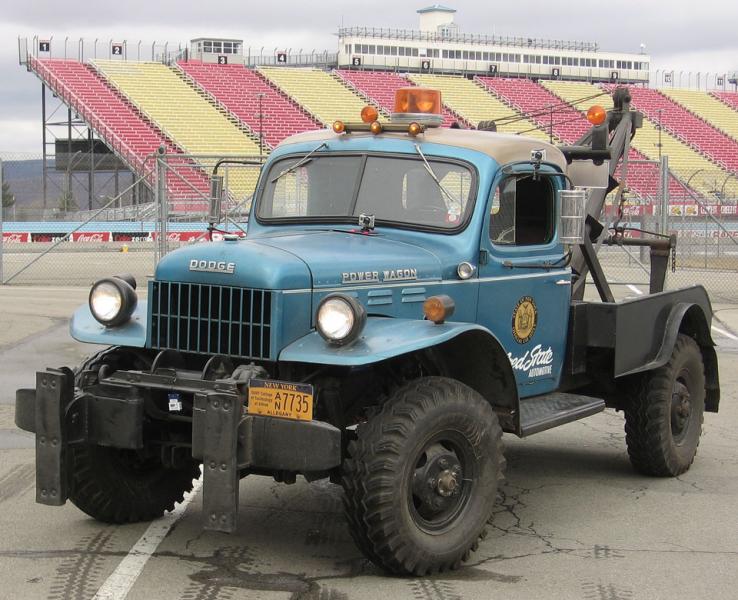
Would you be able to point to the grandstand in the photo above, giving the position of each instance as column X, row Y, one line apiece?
column 379, row 88
column 728, row 98
column 568, row 124
column 687, row 164
column 712, row 111
column 688, row 126
column 223, row 104
column 123, row 128
column 470, row 100
column 322, row 94
column 251, row 99
column 185, row 114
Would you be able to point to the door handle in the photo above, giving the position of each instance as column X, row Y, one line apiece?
column 563, row 282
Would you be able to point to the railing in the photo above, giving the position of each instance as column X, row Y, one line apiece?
column 466, row 38
column 78, row 104
column 314, row 59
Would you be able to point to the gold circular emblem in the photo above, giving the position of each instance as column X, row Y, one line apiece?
column 524, row 320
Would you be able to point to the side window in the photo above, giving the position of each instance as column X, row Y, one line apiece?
column 522, row 212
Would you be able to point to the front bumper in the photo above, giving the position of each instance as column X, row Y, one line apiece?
column 225, row 438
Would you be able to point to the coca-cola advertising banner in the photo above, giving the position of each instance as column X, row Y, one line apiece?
column 16, row 238
column 24, row 237
column 89, row 236
column 183, row 236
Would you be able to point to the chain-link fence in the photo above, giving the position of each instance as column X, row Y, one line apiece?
column 160, row 210
column 705, row 223
column 131, row 230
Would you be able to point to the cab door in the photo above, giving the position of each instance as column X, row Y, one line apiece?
column 525, row 280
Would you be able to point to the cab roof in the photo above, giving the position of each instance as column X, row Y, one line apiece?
column 503, row 148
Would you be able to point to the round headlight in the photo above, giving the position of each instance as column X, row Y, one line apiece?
column 340, row 319
column 112, row 301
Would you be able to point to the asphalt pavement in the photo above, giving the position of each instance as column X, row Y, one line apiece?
column 572, row 521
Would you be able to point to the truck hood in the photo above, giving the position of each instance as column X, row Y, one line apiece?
column 242, row 263
column 301, row 260
column 337, row 258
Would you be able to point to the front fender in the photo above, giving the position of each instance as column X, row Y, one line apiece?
column 381, row 339
column 85, row 328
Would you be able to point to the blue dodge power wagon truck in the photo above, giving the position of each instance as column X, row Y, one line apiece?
column 404, row 294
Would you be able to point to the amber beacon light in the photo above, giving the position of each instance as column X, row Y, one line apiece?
column 417, row 104
column 596, row 115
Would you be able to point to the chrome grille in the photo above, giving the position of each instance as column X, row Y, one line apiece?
column 210, row 319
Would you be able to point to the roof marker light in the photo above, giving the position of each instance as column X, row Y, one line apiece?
column 376, row 127
column 414, row 128
column 339, row 127
column 369, row 114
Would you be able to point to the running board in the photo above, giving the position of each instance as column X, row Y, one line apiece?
column 551, row 410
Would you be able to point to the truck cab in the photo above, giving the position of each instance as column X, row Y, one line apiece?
column 402, row 297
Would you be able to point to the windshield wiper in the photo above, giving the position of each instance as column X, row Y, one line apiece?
column 303, row 161
column 433, row 175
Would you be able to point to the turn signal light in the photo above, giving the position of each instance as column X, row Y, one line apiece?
column 418, row 100
column 596, row 115
column 438, row 308
column 375, row 127
column 339, row 127
column 369, row 114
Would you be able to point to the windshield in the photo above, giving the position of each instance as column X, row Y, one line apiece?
column 339, row 188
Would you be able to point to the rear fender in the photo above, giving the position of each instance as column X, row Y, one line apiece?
column 690, row 319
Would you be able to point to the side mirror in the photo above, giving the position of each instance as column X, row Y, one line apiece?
column 571, row 221
column 215, row 205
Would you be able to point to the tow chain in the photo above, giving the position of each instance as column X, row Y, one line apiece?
column 617, row 227
column 673, row 258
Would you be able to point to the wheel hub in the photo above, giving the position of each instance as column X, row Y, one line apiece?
column 681, row 409
column 436, row 481
column 447, row 483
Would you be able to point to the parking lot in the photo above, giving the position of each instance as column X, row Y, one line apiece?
column 572, row 520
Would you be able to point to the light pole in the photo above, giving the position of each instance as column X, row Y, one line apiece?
column 659, row 111
column 260, row 96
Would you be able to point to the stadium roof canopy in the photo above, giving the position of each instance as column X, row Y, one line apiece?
column 436, row 8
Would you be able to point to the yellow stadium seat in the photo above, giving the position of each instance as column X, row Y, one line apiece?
column 475, row 104
column 322, row 94
column 707, row 107
column 185, row 115
column 687, row 164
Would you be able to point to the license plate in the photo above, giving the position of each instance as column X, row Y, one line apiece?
column 281, row 399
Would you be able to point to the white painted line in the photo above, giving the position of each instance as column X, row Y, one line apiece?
column 634, row 289
column 120, row 582
column 725, row 333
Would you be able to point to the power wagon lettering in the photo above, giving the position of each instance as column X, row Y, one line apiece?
column 374, row 276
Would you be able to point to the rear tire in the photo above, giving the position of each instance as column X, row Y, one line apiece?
column 421, row 478
column 663, row 424
column 123, row 486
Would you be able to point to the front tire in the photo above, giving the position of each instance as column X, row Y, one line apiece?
column 421, row 478
column 663, row 423
column 118, row 486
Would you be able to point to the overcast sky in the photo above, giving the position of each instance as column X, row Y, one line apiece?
column 679, row 34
